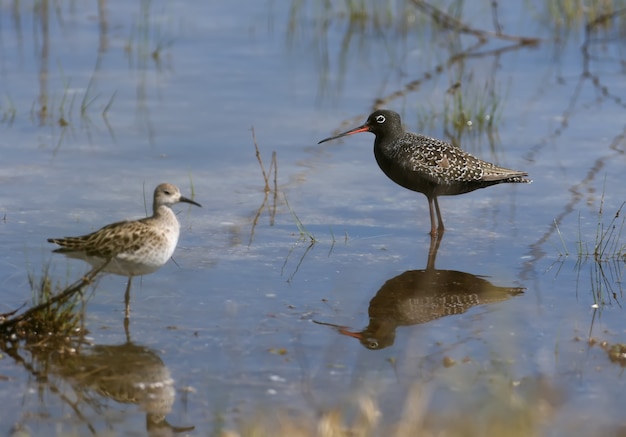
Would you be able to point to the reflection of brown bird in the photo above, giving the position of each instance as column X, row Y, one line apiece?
column 419, row 296
column 126, row 373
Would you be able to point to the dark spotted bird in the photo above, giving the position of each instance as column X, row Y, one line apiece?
column 428, row 165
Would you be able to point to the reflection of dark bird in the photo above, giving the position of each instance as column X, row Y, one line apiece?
column 126, row 373
column 428, row 165
column 419, row 296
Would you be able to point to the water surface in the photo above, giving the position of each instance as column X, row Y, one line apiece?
column 168, row 91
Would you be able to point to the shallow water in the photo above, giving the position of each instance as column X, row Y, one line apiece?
column 231, row 323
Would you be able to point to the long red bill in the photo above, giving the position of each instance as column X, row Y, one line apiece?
column 353, row 334
column 341, row 329
column 356, row 130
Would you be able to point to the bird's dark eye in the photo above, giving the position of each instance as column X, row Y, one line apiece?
column 373, row 344
column 380, row 119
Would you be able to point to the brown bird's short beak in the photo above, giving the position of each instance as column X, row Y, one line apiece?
column 356, row 130
column 184, row 199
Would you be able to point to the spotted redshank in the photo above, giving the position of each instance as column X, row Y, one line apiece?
column 428, row 165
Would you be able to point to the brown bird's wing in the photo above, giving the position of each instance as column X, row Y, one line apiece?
column 105, row 242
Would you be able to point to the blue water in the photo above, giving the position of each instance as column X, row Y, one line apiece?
column 232, row 319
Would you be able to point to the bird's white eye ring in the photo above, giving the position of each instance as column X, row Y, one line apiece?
column 380, row 119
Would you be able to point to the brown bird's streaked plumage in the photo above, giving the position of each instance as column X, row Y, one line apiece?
column 131, row 248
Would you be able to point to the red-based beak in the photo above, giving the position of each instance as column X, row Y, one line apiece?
column 341, row 329
column 356, row 130
column 344, row 331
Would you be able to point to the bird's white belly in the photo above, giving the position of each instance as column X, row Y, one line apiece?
column 147, row 259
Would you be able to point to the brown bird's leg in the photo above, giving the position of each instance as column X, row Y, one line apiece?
column 127, row 298
column 127, row 310
column 439, row 219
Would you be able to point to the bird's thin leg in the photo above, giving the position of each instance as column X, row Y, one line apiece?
column 127, row 298
column 433, row 229
column 127, row 329
column 439, row 219
column 435, row 241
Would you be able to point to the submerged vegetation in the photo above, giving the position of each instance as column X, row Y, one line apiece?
column 606, row 258
column 565, row 16
column 53, row 321
column 608, row 244
column 601, row 256
column 268, row 189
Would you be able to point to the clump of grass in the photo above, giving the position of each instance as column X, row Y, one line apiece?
column 399, row 16
column 54, row 320
column 616, row 353
column 273, row 165
column 608, row 244
column 474, row 111
column 566, row 15
column 471, row 108
column 608, row 253
column 304, row 234
column 267, row 189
